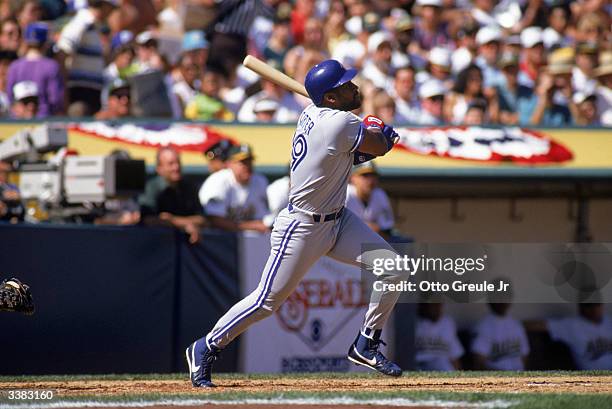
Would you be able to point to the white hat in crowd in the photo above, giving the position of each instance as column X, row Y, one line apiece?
column 580, row 97
column 440, row 56
column 433, row 3
column 25, row 89
column 488, row 34
column 531, row 36
column 431, row 88
column 265, row 105
column 377, row 39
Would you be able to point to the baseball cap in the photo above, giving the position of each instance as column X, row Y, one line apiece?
column 145, row 37
column 431, row 88
column 265, row 105
column 377, row 39
column 194, row 40
column 365, row 168
column 25, row 89
column 432, row 3
column 531, row 36
column 404, row 23
column 488, row 34
column 440, row 56
column 240, row 152
column 219, row 150
column 36, row 33
column 605, row 64
column 121, row 39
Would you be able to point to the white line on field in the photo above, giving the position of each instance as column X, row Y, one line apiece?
column 493, row 404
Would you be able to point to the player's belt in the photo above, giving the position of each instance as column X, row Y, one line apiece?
column 316, row 217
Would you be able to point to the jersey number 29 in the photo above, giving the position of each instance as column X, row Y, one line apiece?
column 298, row 152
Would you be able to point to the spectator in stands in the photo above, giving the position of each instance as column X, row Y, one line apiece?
column 353, row 52
column 429, row 29
column 468, row 88
column 558, row 20
column 476, row 114
column 334, row 27
column 432, row 95
column 10, row 35
column 119, row 102
column 81, row 40
column 195, row 46
column 235, row 198
column 310, row 52
column 583, row 75
column 437, row 347
column 603, row 73
column 265, row 110
column 122, row 57
column 534, row 56
column 187, row 81
column 552, row 102
column 489, row 47
column 438, row 67
column 43, row 71
column 500, row 341
column 288, row 110
column 217, row 155
column 377, row 67
column 467, row 47
column 6, row 59
column 25, row 100
column 586, row 108
column 368, row 201
column 405, row 96
column 280, row 39
column 207, row 104
column 383, row 106
column 29, row 12
column 302, row 12
column 147, row 54
column 11, row 207
column 591, row 27
column 169, row 199
column 228, row 38
column 404, row 36
column 511, row 95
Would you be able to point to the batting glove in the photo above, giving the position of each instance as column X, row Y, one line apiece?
column 391, row 135
column 373, row 121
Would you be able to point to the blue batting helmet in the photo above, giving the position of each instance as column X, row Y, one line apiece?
column 326, row 76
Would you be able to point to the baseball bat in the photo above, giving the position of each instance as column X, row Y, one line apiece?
column 274, row 75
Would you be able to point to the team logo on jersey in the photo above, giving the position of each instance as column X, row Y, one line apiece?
column 484, row 144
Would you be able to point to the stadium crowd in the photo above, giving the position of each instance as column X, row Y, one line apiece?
column 542, row 62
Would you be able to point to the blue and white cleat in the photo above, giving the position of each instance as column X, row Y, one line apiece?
column 364, row 351
column 200, row 363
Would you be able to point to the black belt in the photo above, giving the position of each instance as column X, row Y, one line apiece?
column 317, row 217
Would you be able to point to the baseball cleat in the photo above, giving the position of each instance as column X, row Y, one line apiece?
column 364, row 351
column 200, row 360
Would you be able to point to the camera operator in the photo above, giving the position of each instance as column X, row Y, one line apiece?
column 11, row 208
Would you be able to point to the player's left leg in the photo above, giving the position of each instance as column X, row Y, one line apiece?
column 352, row 234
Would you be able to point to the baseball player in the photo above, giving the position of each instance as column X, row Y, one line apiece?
column 327, row 141
column 15, row 296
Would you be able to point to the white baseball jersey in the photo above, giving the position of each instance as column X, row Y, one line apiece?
column 590, row 343
column 436, row 344
column 278, row 198
column 322, row 158
column 221, row 195
column 503, row 341
column 377, row 210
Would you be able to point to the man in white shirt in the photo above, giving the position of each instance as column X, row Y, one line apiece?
column 436, row 343
column 235, row 198
column 588, row 336
column 405, row 96
column 369, row 202
column 501, row 341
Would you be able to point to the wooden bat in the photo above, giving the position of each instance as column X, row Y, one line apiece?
column 271, row 74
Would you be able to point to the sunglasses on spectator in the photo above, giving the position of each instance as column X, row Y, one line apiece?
column 437, row 98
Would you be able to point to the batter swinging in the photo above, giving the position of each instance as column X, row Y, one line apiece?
column 328, row 140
